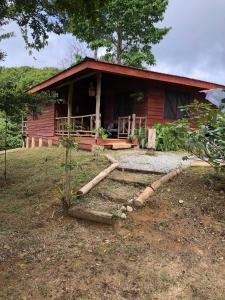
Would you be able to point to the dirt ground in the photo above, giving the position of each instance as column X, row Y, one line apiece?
column 170, row 249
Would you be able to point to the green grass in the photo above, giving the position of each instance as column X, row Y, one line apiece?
column 34, row 176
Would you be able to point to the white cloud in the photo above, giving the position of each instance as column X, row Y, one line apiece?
column 195, row 47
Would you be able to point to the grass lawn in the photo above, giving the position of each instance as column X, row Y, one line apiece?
column 167, row 250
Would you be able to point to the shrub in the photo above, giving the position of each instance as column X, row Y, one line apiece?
column 204, row 129
column 170, row 136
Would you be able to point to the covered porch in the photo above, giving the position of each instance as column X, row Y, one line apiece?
column 95, row 100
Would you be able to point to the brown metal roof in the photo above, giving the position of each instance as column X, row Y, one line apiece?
column 106, row 67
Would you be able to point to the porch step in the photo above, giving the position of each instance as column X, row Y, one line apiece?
column 121, row 146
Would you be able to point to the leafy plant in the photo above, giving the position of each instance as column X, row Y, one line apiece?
column 204, row 129
column 132, row 136
column 103, row 133
column 67, row 194
column 170, row 136
column 142, row 139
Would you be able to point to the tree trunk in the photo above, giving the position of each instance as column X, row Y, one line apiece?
column 5, row 163
column 119, row 45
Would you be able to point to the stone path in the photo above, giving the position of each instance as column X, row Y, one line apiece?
column 161, row 162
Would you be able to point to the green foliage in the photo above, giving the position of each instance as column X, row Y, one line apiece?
column 13, row 136
column 142, row 139
column 207, row 139
column 67, row 193
column 169, row 137
column 125, row 29
column 103, row 133
column 25, row 76
column 37, row 18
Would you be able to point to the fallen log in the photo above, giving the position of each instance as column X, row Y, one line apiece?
column 200, row 164
column 85, row 189
column 149, row 191
column 91, row 215
column 144, row 196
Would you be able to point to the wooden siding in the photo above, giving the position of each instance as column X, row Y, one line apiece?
column 44, row 125
column 155, row 106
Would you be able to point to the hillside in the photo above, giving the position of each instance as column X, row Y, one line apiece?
column 166, row 250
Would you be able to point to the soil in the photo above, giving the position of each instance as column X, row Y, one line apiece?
column 167, row 250
column 115, row 190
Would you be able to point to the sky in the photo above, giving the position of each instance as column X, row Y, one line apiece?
column 194, row 47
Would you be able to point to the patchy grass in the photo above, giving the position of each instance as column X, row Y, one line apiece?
column 166, row 250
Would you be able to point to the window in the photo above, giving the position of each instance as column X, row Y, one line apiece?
column 173, row 100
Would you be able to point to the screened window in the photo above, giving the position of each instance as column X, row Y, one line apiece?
column 173, row 101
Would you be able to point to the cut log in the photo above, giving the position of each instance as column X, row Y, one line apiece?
column 111, row 159
column 143, row 196
column 200, row 164
column 85, row 189
column 149, row 191
column 91, row 215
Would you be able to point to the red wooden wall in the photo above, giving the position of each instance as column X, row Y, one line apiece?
column 152, row 106
column 44, row 125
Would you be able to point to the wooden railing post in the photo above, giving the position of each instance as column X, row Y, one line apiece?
column 70, row 107
column 133, row 123
column 98, row 101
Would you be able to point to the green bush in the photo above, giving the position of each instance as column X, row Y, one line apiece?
column 13, row 135
column 169, row 137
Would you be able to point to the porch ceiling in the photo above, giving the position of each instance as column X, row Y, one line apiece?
column 89, row 65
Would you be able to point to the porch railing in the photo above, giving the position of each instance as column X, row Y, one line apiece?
column 124, row 127
column 79, row 125
column 128, row 124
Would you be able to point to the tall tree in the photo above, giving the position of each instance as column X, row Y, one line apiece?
column 37, row 18
column 126, row 29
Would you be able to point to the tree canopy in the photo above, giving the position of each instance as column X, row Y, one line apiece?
column 14, row 101
column 37, row 18
column 126, row 29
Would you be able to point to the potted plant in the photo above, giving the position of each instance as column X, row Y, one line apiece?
column 133, row 139
column 102, row 135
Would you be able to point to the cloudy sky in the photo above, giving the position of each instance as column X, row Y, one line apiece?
column 195, row 46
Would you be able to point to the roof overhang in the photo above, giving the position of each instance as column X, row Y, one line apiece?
column 93, row 65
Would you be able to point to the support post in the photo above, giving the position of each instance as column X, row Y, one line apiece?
column 70, row 107
column 32, row 142
column 40, row 142
column 133, row 123
column 27, row 142
column 98, row 101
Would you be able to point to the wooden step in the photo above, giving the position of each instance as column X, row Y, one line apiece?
column 121, row 146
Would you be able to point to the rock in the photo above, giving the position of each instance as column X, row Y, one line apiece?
column 168, row 190
column 181, row 201
column 129, row 208
column 123, row 216
column 131, row 201
column 123, row 208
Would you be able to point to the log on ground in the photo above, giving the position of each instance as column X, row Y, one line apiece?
column 85, row 189
column 91, row 215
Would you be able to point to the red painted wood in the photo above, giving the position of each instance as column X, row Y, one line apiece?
column 121, row 70
column 44, row 125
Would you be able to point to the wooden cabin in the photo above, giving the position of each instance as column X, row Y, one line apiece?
column 94, row 94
